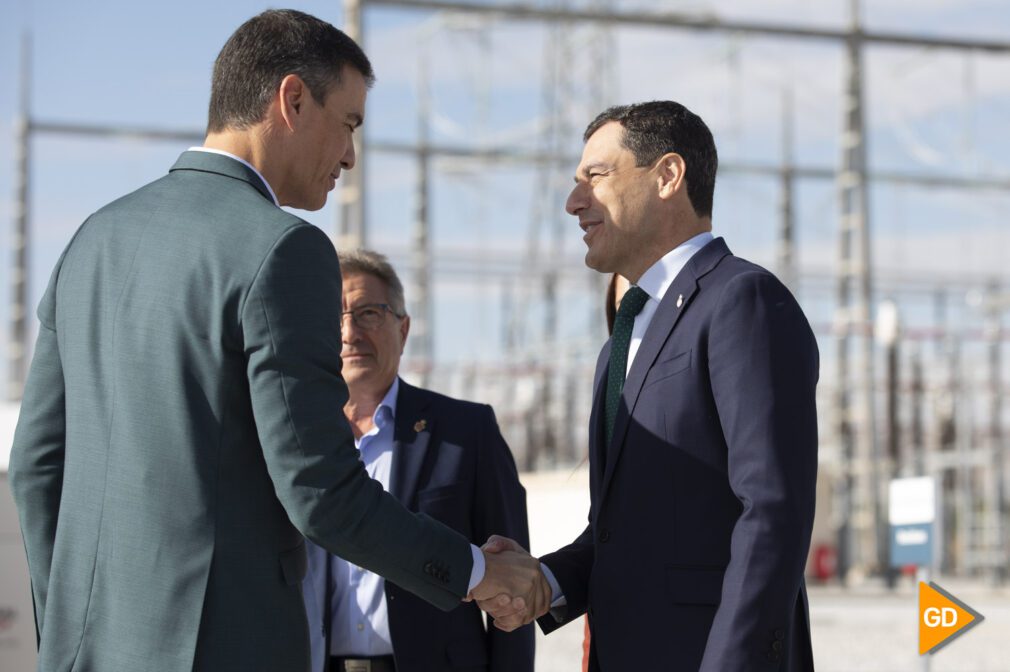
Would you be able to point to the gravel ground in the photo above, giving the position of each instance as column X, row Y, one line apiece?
column 867, row 630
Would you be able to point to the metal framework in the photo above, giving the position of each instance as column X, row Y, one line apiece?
column 854, row 409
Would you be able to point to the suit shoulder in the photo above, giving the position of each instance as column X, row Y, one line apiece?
column 202, row 202
column 444, row 404
column 736, row 274
column 743, row 291
column 732, row 266
column 467, row 418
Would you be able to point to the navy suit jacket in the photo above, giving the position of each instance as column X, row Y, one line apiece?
column 703, row 503
column 450, row 462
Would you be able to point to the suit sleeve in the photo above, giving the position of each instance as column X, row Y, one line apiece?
column 500, row 508
column 291, row 330
column 763, row 364
column 37, row 455
column 571, row 566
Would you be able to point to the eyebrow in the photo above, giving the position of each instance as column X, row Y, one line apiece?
column 588, row 168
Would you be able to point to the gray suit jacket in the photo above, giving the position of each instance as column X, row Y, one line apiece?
column 178, row 432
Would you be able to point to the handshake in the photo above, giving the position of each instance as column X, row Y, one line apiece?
column 514, row 590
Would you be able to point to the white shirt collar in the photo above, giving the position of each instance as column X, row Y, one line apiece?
column 243, row 162
column 658, row 278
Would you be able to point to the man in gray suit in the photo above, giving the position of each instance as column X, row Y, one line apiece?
column 177, row 430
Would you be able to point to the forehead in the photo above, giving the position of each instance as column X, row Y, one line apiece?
column 361, row 288
column 605, row 147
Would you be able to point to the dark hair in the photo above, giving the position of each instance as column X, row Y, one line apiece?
column 267, row 48
column 662, row 126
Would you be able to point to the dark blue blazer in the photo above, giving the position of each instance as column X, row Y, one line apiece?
column 703, row 503
column 450, row 462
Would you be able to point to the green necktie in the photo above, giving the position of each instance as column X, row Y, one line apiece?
column 620, row 339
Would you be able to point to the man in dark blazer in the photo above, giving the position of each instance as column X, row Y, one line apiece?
column 177, row 435
column 703, row 431
column 439, row 456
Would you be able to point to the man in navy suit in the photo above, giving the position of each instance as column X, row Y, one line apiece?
column 439, row 456
column 703, row 431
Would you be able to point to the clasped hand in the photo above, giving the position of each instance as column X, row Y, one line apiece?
column 514, row 591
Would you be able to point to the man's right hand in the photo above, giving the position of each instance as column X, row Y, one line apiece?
column 514, row 591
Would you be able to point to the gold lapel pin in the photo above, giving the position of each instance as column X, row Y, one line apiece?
column 420, row 425
column 680, row 300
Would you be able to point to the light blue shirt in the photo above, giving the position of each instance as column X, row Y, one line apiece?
column 655, row 281
column 360, row 620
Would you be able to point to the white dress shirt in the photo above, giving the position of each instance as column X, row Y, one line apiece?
column 655, row 281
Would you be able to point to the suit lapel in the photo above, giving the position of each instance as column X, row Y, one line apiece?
column 675, row 303
column 411, row 437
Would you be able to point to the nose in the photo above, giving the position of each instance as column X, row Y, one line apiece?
column 349, row 158
column 577, row 200
column 349, row 332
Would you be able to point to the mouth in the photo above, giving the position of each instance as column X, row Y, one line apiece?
column 354, row 356
column 590, row 227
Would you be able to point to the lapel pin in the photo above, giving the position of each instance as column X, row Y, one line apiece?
column 680, row 300
column 420, row 425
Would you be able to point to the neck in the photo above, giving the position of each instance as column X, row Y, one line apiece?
column 253, row 146
column 677, row 237
column 360, row 410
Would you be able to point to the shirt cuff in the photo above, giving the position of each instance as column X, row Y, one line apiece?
column 477, row 573
column 557, row 597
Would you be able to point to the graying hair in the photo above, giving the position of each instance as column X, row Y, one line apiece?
column 373, row 263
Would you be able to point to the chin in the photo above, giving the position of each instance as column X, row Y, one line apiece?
column 595, row 263
column 316, row 204
column 309, row 201
column 353, row 377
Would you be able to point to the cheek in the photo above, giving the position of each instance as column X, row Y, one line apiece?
column 615, row 211
column 390, row 349
column 630, row 205
column 324, row 151
column 338, row 146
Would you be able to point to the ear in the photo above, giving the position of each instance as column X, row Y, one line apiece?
column 404, row 330
column 671, row 170
column 293, row 94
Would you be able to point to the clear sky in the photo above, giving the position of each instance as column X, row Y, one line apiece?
column 930, row 112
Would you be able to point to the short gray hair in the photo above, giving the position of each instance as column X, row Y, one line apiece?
column 373, row 263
